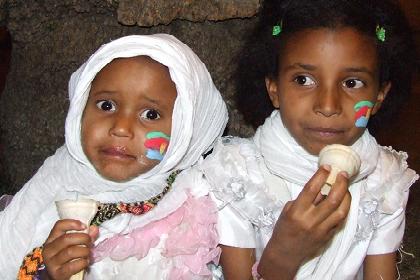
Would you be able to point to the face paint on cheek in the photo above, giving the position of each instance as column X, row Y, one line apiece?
column 157, row 143
column 363, row 110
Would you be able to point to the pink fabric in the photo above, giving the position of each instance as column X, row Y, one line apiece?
column 191, row 243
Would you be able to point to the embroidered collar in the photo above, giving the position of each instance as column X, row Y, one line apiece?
column 107, row 211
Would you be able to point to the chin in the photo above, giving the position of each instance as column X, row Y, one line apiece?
column 118, row 177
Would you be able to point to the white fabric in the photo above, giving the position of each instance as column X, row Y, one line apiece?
column 375, row 222
column 199, row 117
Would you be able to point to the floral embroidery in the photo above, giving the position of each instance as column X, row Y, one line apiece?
column 368, row 219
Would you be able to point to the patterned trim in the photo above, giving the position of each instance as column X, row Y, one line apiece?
column 32, row 265
column 108, row 211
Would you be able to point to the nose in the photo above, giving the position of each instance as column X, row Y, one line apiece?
column 328, row 102
column 122, row 125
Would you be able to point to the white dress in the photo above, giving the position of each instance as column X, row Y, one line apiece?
column 199, row 117
column 251, row 193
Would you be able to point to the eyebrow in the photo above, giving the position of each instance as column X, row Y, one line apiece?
column 110, row 93
column 152, row 100
column 360, row 70
column 307, row 67
column 98, row 92
column 310, row 67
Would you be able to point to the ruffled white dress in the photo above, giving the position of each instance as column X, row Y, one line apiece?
column 149, row 246
column 252, row 179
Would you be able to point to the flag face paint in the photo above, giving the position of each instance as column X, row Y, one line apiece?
column 363, row 110
column 156, row 143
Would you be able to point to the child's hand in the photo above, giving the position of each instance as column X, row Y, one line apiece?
column 62, row 253
column 305, row 226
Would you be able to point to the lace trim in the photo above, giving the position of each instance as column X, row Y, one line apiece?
column 368, row 219
column 228, row 170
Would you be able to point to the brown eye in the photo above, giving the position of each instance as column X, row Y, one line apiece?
column 353, row 83
column 106, row 105
column 150, row 114
column 304, row 80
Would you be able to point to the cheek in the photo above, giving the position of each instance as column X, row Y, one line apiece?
column 356, row 133
column 91, row 131
column 156, row 144
column 363, row 110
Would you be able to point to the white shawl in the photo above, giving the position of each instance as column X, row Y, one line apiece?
column 383, row 176
column 252, row 179
column 199, row 117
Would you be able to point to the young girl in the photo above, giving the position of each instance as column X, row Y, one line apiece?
column 327, row 65
column 142, row 109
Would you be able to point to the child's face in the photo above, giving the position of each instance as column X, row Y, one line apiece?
column 323, row 73
column 129, row 98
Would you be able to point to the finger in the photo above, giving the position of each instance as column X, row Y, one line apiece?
column 52, row 249
column 70, row 268
column 334, row 199
column 93, row 232
column 340, row 187
column 72, row 253
column 312, row 188
column 338, row 217
column 320, row 197
column 62, row 226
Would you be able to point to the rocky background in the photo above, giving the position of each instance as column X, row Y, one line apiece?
column 50, row 39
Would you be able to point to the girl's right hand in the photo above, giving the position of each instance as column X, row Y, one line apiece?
column 63, row 256
column 305, row 226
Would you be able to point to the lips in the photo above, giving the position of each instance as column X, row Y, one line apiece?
column 117, row 152
column 324, row 132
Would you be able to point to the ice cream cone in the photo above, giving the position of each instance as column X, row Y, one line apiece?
column 340, row 158
column 83, row 210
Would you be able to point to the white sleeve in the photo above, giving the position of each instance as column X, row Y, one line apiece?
column 240, row 196
column 388, row 236
column 234, row 230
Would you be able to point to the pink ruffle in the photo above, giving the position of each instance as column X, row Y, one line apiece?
column 191, row 243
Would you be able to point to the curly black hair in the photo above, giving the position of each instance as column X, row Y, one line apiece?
column 259, row 58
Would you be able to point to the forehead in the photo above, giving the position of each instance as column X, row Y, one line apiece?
column 120, row 67
column 341, row 46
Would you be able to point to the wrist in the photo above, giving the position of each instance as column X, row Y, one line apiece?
column 275, row 262
column 33, row 266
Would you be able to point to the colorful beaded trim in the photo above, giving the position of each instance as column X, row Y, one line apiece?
column 32, row 265
column 108, row 211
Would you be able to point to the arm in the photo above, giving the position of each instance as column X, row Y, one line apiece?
column 237, row 262
column 305, row 226
column 380, row 267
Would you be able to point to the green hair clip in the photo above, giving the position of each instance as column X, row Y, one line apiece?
column 277, row 29
column 380, row 33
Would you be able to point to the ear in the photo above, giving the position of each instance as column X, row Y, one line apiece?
column 272, row 89
column 383, row 92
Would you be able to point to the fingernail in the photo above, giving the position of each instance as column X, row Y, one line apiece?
column 326, row 167
column 344, row 174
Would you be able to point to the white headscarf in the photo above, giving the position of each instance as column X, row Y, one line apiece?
column 199, row 117
column 383, row 174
